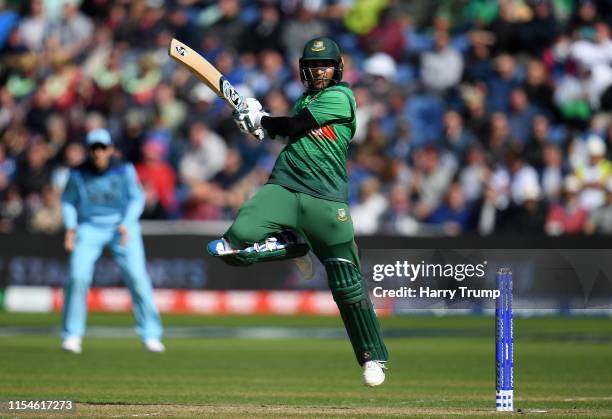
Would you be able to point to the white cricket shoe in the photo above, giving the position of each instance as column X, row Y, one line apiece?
column 305, row 266
column 373, row 373
column 72, row 344
column 154, row 345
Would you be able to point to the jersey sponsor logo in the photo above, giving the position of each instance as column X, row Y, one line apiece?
column 342, row 215
column 317, row 46
column 324, row 133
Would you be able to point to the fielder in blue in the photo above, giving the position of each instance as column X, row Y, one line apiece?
column 101, row 206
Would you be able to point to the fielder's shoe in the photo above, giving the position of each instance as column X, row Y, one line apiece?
column 154, row 345
column 72, row 344
column 373, row 373
column 305, row 266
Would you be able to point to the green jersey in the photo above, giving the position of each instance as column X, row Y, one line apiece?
column 315, row 163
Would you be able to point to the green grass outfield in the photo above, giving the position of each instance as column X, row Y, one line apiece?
column 439, row 366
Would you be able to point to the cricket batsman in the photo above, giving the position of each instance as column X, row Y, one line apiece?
column 303, row 206
column 101, row 205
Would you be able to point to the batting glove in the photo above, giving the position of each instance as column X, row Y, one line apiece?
column 249, row 117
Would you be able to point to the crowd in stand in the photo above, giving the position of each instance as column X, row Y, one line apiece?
column 480, row 116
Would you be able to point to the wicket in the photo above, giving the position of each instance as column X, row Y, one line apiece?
column 504, row 364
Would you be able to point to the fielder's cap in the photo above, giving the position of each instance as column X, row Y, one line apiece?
column 596, row 146
column 99, row 136
column 322, row 48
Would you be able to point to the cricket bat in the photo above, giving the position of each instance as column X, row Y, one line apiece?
column 206, row 72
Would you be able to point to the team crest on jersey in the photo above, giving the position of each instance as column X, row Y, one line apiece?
column 317, row 46
column 342, row 215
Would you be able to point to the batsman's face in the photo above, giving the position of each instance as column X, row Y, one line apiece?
column 100, row 155
column 321, row 73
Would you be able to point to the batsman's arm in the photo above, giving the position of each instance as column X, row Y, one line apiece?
column 289, row 126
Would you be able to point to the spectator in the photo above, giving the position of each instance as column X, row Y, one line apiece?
column 538, row 140
column 46, row 216
column 386, row 37
column 32, row 28
column 172, row 111
column 381, row 71
column 537, row 86
column 521, row 116
column 228, row 29
column 524, row 178
column 264, row 33
column 529, row 216
column 600, row 221
column 501, row 84
column 474, row 174
column 455, row 214
column 7, row 169
column 584, row 17
column 69, row 37
column 12, row 210
column 296, row 32
column 608, row 137
column 367, row 212
column 205, row 156
column 479, row 66
column 33, row 172
column 499, row 141
column 74, row 155
column 442, row 68
column 398, row 218
column 157, row 174
column 568, row 216
column 8, row 20
column 594, row 174
column 153, row 208
column 457, row 139
column 540, row 31
column 57, row 137
column 424, row 112
column 430, row 180
column 233, row 170
column 504, row 26
column 477, row 118
column 552, row 173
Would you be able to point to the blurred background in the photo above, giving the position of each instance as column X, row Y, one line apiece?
column 474, row 116
column 486, row 120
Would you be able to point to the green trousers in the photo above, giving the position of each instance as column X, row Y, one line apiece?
column 325, row 225
column 327, row 228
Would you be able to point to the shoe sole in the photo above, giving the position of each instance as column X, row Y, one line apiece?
column 374, row 384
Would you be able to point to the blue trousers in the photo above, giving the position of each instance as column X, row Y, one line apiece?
column 89, row 244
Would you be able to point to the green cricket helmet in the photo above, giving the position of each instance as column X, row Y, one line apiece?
column 320, row 49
